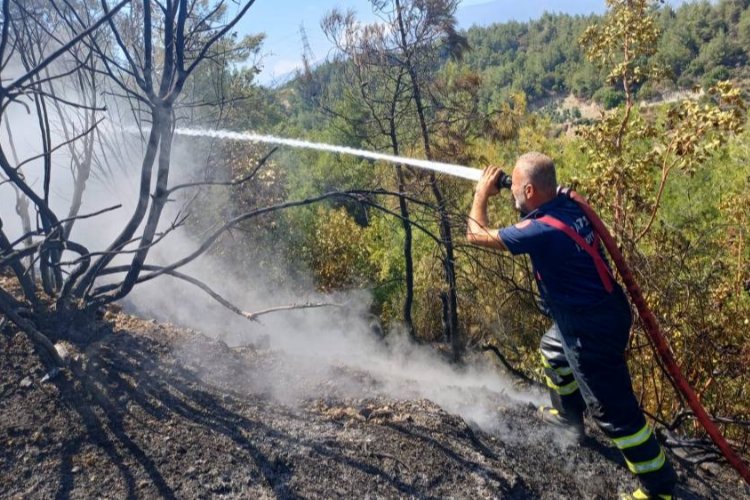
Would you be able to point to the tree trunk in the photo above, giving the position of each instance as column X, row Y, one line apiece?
column 450, row 323
column 22, row 207
column 159, row 199
column 408, row 257
column 405, row 221
column 128, row 231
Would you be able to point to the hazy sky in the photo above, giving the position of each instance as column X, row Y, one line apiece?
column 281, row 21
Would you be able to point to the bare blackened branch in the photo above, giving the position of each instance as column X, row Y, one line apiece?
column 202, row 21
column 62, row 50
column 180, row 39
column 6, row 307
column 148, row 68
column 209, row 242
column 175, row 225
column 4, row 36
column 63, row 221
column 124, row 49
column 126, row 234
column 8, row 257
column 44, row 211
column 55, row 97
column 437, row 239
column 207, row 46
column 25, row 281
column 253, row 316
column 228, row 183
column 59, row 146
column 307, row 305
column 85, row 263
column 103, row 295
column 517, row 373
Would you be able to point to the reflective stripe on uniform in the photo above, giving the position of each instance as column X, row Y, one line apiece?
column 639, row 494
column 639, row 437
column 563, row 390
column 565, row 370
column 647, row 466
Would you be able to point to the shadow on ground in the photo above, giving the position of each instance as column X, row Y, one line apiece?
column 138, row 421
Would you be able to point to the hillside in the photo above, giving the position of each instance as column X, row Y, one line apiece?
column 700, row 43
column 189, row 312
column 172, row 413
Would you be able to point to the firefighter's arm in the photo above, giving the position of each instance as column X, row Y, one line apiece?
column 478, row 231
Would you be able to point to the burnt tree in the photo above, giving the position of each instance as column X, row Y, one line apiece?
column 143, row 53
column 394, row 63
column 380, row 88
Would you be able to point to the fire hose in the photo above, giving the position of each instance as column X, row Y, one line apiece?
column 657, row 337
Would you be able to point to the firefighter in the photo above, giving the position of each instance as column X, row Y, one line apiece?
column 584, row 351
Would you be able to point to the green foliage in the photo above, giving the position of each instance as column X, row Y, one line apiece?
column 539, row 58
column 337, row 250
column 608, row 97
column 700, row 42
column 679, row 257
column 624, row 42
column 672, row 180
column 626, row 150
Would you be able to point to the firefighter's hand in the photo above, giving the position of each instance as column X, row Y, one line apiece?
column 487, row 185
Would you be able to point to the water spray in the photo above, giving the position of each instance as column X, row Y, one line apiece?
column 662, row 347
column 469, row 173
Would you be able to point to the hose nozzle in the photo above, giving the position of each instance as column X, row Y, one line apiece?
column 504, row 181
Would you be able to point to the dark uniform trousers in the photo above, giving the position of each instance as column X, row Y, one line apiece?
column 584, row 363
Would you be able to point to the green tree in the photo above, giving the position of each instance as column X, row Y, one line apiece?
column 634, row 155
column 425, row 32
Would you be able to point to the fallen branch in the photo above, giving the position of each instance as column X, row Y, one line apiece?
column 181, row 276
column 214, row 295
column 733, row 421
column 703, row 445
column 306, row 305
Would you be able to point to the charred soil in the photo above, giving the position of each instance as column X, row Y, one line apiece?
column 158, row 411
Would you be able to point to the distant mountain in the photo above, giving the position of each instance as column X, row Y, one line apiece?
column 498, row 11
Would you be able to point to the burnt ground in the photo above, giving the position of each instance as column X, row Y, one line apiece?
column 164, row 412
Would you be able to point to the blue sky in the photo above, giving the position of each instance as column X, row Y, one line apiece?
column 281, row 20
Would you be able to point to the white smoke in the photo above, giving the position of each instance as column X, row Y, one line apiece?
column 315, row 345
column 310, row 347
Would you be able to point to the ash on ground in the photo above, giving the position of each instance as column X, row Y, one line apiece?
column 165, row 412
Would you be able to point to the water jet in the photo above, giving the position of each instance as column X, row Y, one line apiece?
column 469, row 173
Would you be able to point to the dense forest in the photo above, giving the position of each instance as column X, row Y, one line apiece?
column 700, row 44
column 663, row 158
column 669, row 175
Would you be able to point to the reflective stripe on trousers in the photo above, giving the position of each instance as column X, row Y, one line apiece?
column 641, row 451
column 591, row 342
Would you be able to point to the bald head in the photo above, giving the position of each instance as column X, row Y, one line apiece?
column 534, row 181
column 539, row 170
